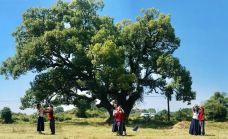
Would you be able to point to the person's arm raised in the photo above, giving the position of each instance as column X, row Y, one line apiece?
column 46, row 110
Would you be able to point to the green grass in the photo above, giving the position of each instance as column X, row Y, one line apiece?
column 95, row 128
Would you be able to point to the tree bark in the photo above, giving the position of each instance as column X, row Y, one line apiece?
column 130, row 103
column 106, row 104
column 168, row 116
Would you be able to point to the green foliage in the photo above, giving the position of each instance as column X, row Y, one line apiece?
column 96, row 113
column 59, row 109
column 6, row 115
column 82, row 106
column 62, row 117
column 19, row 117
column 73, row 49
column 24, row 118
column 215, row 107
column 183, row 115
column 33, row 118
column 161, row 115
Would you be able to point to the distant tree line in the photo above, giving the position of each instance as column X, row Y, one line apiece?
column 216, row 109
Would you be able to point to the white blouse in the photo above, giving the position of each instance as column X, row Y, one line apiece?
column 40, row 112
column 195, row 115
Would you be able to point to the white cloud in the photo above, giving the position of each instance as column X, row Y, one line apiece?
column 68, row 107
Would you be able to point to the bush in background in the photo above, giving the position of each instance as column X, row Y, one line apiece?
column 216, row 107
column 97, row 112
column 59, row 109
column 20, row 117
column 62, row 117
column 6, row 115
column 161, row 115
column 182, row 115
column 82, row 106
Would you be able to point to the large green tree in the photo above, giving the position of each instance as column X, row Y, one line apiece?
column 73, row 50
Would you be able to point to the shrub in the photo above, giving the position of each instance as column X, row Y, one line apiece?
column 20, row 117
column 162, row 115
column 68, row 118
column 62, row 117
column 183, row 115
column 96, row 113
column 59, row 109
column 25, row 118
column 32, row 118
column 6, row 115
column 215, row 107
column 59, row 117
column 82, row 106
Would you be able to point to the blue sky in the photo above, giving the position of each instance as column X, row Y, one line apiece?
column 200, row 24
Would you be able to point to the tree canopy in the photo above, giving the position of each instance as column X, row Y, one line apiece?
column 79, row 55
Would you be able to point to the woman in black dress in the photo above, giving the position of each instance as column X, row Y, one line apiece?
column 195, row 126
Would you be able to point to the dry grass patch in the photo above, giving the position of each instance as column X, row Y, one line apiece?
column 90, row 130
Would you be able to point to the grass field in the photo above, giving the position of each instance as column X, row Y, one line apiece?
column 96, row 129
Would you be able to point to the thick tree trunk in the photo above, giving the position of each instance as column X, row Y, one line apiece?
column 127, row 107
column 106, row 104
column 130, row 103
column 126, row 104
column 128, row 111
column 110, row 118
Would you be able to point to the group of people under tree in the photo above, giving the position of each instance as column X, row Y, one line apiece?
column 197, row 126
column 119, row 120
column 40, row 118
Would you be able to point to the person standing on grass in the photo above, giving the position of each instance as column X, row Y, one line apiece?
column 195, row 127
column 51, row 118
column 118, row 118
column 123, row 124
column 114, row 125
column 40, row 119
column 201, row 120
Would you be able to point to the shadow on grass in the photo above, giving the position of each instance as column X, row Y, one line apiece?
column 85, row 123
column 208, row 135
column 151, row 124
column 141, row 123
column 129, row 135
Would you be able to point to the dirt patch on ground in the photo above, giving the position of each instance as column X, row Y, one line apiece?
column 182, row 124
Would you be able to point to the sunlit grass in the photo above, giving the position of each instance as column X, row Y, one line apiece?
column 95, row 128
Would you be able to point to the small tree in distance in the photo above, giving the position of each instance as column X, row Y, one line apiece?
column 6, row 115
